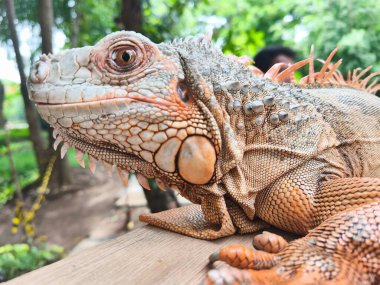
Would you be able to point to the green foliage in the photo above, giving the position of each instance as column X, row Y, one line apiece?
column 15, row 135
column 26, row 167
column 162, row 18
column 17, row 259
column 240, row 27
column 7, row 192
column 25, row 163
column 244, row 27
column 26, row 11
column 353, row 26
column 95, row 18
column 13, row 104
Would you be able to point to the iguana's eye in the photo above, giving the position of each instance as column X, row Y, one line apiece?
column 124, row 57
column 183, row 93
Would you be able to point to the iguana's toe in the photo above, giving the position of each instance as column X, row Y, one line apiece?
column 243, row 257
column 269, row 242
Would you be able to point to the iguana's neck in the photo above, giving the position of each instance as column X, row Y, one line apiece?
column 249, row 110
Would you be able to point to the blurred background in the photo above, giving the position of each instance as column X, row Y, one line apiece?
column 51, row 207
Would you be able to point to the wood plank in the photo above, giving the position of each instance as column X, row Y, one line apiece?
column 147, row 255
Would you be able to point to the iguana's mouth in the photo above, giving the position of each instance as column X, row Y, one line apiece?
column 124, row 100
column 110, row 155
column 130, row 97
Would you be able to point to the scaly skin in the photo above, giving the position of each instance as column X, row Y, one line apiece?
column 250, row 150
column 345, row 249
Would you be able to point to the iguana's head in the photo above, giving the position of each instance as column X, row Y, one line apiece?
column 130, row 103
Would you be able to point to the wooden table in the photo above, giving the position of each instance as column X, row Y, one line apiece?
column 146, row 255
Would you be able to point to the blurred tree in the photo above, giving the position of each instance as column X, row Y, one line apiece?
column 131, row 19
column 85, row 22
column 30, row 112
column 240, row 27
column 131, row 16
column 2, row 96
column 61, row 172
column 351, row 25
column 46, row 21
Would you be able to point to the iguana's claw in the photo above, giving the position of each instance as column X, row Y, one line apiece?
column 214, row 257
column 228, row 276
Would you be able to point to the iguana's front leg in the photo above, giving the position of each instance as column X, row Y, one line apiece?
column 210, row 220
column 339, row 195
column 213, row 219
column 342, row 250
column 300, row 201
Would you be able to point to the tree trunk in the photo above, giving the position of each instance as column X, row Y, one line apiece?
column 74, row 37
column 131, row 16
column 46, row 20
column 61, row 172
column 131, row 19
column 30, row 112
column 2, row 99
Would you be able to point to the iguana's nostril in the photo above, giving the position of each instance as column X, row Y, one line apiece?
column 39, row 72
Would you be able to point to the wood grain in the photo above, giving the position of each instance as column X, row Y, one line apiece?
column 146, row 255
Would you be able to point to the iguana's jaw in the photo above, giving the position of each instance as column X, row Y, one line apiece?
column 142, row 119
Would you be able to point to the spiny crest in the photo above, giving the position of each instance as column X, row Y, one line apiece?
column 197, row 42
column 327, row 76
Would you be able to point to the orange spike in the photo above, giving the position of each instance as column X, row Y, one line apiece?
column 348, row 79
column 369, row 87
column 336, row 77
column 327, row 63
column 292, row 78
column 354, row 74
column 291, row 69
column 364, row 72
column 306, row 79
column 123, row 176
column 339, row 77
column 368, row 78
column 311, row 66
column 332, row 70
column 273, row 71
column 375, row 89
column 255, row 70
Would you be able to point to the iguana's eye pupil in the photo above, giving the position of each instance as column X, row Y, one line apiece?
column 126, row 56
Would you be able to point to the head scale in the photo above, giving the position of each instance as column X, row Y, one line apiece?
column 133, row 104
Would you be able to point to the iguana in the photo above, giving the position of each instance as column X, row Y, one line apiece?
column 246, row 148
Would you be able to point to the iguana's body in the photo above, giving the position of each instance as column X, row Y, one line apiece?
column 249, row 150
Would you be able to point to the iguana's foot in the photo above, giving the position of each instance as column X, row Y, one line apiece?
column 269, row 242
column 342, row 250
column 248, row 258
column 244, row 257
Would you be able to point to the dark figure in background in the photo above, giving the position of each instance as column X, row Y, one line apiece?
column 272, row 55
